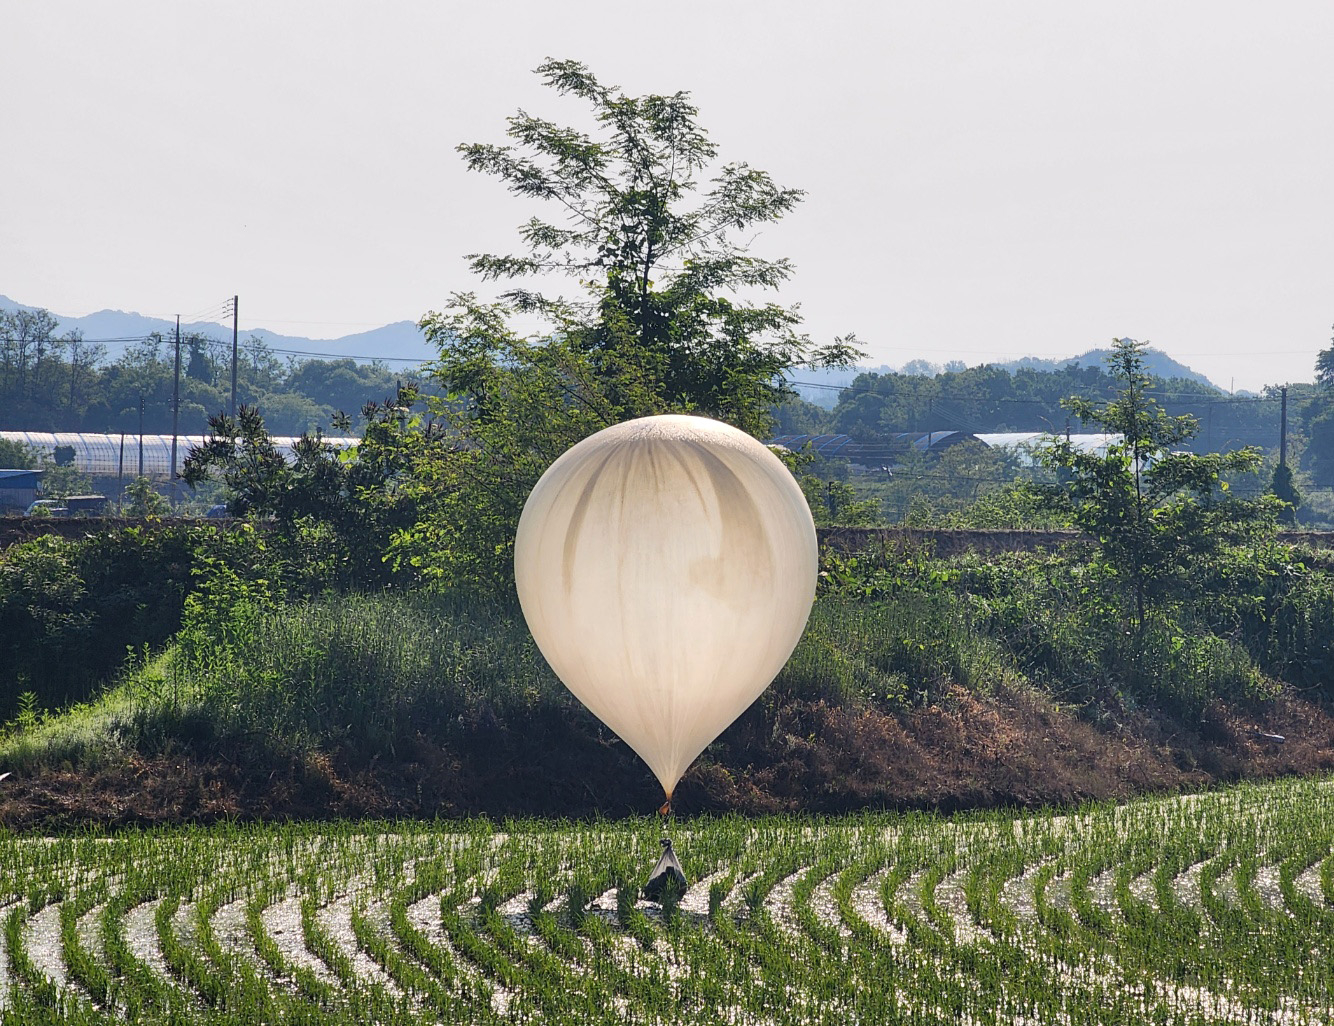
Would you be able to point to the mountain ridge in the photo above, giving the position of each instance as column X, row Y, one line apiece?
column 402, row 342
column 398, row 342
column 821, row 387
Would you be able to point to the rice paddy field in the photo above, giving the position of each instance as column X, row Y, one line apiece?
column 1215, row 908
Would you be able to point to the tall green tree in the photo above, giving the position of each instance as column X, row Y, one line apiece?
column 26, row 336
column 1317, row 416
column 654, row 231
column 333, row 512
column 1156, row 512
column 1324, row 367
column 660, row 324
column 16, row 455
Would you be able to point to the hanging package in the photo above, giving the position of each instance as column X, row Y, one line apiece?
column 667, row 871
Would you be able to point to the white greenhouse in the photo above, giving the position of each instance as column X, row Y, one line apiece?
column 1025, row 443
column 115, row 455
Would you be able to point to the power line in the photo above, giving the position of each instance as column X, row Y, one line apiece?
column 123, row 338
column 206, row 315
column 306, row 320
column 349, row 356
column 163, row 339
column 1184, row 398
column 1066, row 360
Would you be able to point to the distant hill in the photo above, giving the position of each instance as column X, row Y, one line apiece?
column 1156, row 362
column 822, row 387
column 402, row 341
column 392, row 342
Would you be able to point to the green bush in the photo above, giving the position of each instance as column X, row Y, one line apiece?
column 832, row 663
column 365, row 672
column 1186, row 669
column 369, row 672
column 897, row 651
column 1288, row 626
column 70, row 607
column 1062, row 623
column 1013, row 507
column 1054, row 618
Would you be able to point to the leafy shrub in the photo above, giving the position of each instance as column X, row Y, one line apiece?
column 1013, row 507
column 1186, row 670
column 895, row 652
column 884, row 568
column 1288, row 626
column 1053, row 617
column 15, row 455
column 363, row 671
column 70, row 607
column 1061, row 622
column 143, row 500
column 825, row 666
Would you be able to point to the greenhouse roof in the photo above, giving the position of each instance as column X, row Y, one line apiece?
column 1033, row 439
column 105, row 455
column 844, row 446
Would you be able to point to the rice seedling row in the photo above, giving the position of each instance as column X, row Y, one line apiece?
column 1205, row 909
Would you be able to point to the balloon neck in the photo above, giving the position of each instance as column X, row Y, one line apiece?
column 666, row 809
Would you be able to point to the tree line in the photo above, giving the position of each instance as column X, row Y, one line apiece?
column 877, row 405
column 54, row 381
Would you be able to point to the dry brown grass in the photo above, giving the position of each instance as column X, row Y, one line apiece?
column 1014, row 749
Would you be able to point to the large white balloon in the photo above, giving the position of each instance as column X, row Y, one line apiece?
column 666, row 567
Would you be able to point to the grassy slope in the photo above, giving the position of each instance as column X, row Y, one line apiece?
column 430, row 706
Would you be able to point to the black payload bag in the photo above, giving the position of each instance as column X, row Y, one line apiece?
column 668, row 868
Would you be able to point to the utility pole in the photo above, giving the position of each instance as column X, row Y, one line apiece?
column 236, row 300
column 175, row 408
column 73, row 368
column 1283, row 430
column 141, row 435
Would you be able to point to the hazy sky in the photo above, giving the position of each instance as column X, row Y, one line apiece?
column 986, row 180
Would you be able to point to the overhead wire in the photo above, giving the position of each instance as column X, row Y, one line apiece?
column 166, row 339
column 208, row 313
column 899, row 390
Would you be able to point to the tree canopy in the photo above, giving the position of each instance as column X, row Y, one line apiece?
column 62, row 382
column 1156, row 511
column 653, row 232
